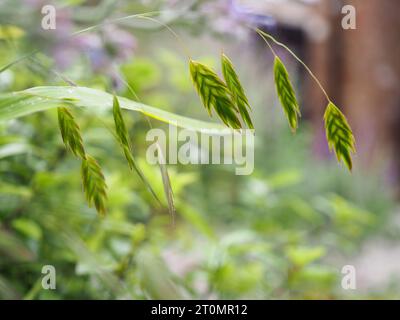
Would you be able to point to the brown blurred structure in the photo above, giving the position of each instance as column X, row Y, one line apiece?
column 361, row 70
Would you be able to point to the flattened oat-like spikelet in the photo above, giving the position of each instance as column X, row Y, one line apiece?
column 286, row 94
column 122, row 133
column 94, row 184
column 236, row 90
column 70, row 132
column 214, row 94
column 339, row 135
column 123, row 138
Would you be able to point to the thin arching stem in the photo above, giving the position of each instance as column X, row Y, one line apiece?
column 26, row 56
column 184, row 48
column 267, row 42
column 145, row 16
column 266, row 36
column 112, row 21
column 54, row 72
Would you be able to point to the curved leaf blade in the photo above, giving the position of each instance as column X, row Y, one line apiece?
column 22, row 103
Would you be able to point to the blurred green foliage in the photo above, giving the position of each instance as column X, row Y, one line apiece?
column 268, row 235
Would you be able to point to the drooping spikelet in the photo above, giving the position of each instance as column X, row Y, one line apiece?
column 236, row 90
column 122, row 133
column 70, row 132
column 94, row 184
column 123, row 139
column 286, row 94
column 339, row 135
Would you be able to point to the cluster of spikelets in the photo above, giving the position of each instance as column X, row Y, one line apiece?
column 338, row 132
column 227, row 98
column 93, row 181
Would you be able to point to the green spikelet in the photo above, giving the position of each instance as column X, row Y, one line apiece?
column 94, row 184
column 123, row 138
column 70, row 132
column 339, row 135
column 122, row 133
column 286, row 94
column 236, row 90
column 214, row 94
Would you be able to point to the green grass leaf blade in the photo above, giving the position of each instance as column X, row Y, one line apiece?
column 22, row 103
column 286, row 94
column 339, row 135
column 236, row 89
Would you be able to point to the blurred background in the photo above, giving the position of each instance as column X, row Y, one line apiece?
column 284, row 232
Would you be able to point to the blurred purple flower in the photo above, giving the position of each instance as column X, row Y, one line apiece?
column 103, row 46
column 232, row 17
column 122, row 42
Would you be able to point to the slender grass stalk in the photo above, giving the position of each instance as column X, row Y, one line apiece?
column 266, row 35
column 145, row 16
